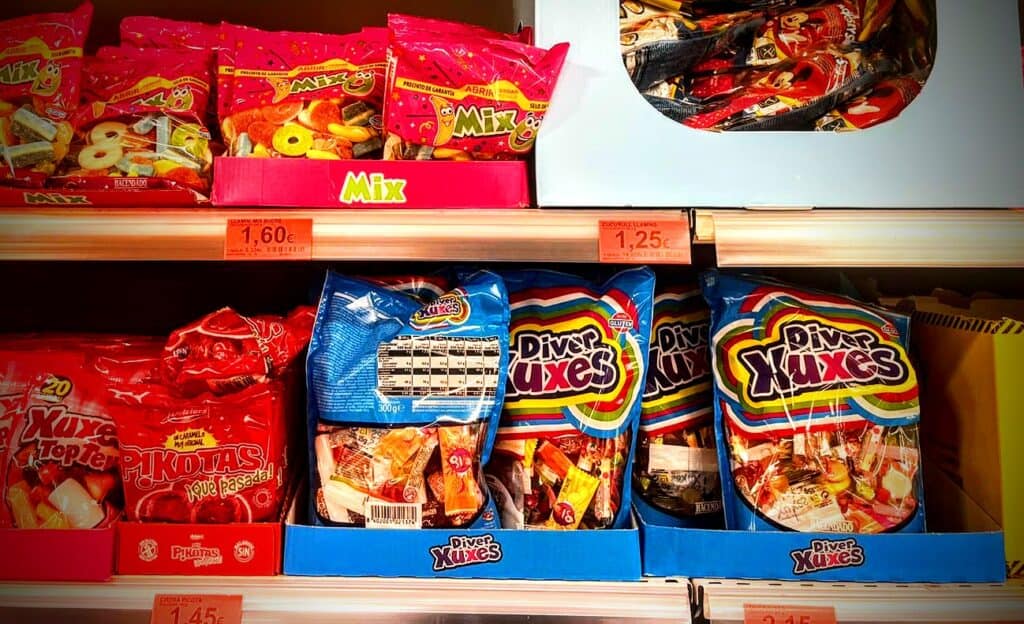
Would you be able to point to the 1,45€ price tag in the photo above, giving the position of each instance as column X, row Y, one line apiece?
column 644, row 242
column 269, row 239
column 196, row 609
column 779, row 614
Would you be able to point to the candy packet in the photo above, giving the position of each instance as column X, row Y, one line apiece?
column 453, row 94
column 141, row 122
column 797, row 31
column 794, row 94
column 140, row 31
column 303, row 95
column 658, row 44
column 816, row 407
column 577, row 363
column 205, row 422
column 404, row 400
column 58, row 444
column 40, row 76
column 676, row 468
column 885, row 101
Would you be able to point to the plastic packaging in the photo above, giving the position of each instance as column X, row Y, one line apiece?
column 676, row 468
column 454, row 93
column 404, row 400
column 40, row 76
column 578, row 359
column 816, row 410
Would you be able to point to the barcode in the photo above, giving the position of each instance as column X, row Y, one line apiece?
column 393, row 515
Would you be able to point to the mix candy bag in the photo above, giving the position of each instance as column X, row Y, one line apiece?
column 577, row 363
column 205, row 422
column 40, row 72
column 404, row 400
column 58, row 444
column 456, row 95
column 142, row 118
column 676, row 468
column 303, row 94
column 816, row 407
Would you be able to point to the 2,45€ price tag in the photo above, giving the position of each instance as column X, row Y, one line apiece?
column 196, row 609
column 269, row 239
column 644, row 242
column 778, row 614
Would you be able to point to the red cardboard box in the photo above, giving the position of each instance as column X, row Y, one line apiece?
column 94, row 197
column 199, row 549
column 57, row 554
column 305, row 183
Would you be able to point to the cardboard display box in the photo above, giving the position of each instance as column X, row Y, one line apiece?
column 957, row 145
column 306, row 183
column 57, row 554
column 971, row 364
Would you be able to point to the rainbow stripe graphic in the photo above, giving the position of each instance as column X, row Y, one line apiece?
column 577, row 354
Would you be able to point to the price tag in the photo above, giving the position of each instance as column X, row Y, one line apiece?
column 196, row 609
column 269, row 239
column 644, row 242
column 784, row 614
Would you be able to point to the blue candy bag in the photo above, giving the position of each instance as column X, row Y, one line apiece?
column 404, row 401
column 816, row 410
column 577, row 362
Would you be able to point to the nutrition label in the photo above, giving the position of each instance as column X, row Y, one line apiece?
column 438, row 366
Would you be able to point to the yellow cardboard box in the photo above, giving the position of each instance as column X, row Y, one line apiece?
column 970, row 361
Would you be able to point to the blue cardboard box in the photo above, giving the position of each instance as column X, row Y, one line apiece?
column 612, row 555
column 941, row 557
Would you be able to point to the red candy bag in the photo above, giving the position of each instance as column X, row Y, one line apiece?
column 203, row 459
column 40, row 74
column 142, row 118
column 304, row 94
column 58, row 444
column 205, row 431
column 455, row 96
column 884, row 102
column 799, row 30
column 158, row 32
column 224, row 351
column 794, row 94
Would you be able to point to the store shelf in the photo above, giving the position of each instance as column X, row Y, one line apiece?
column 369, row 234
column 363, row 600
column 863, row 238
column 723, row 601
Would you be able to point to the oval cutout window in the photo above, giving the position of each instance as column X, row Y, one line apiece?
column 747, row 65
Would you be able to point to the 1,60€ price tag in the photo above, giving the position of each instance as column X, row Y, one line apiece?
column 644, row 242
column 269, row 239
column 196, row 609
column 778, row 614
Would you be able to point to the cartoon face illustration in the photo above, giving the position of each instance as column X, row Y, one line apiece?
column 525, row 133
column 47, row 81
column 780, row 81
column 793, row 21
column 181, row 98
column 282, row 88
column 445, row 113
column 359, row 83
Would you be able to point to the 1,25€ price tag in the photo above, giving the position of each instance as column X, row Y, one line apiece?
column 644, row 242
column 196, row 609
column 779, row 614
column 269, row 239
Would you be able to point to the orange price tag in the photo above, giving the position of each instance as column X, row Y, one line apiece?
column 644, row 242
column 269, row 239
column 196, row 609
column 787, row 614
